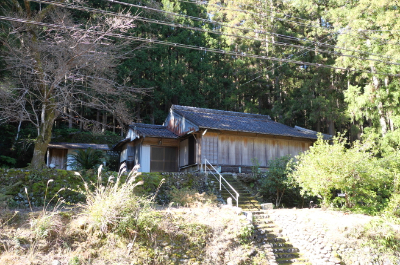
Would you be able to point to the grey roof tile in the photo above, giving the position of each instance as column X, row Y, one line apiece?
column 151, row 130
column 237, row 121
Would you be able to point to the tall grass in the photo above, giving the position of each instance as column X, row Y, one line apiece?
column 109, row 205
column 47, row 225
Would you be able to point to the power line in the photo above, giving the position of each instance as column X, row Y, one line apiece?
column 250, row 12
column 245, row 11
column 271, row 69
column 260, row 31
column 199, row 48
column 272, row 10
column 377, row 30
column 208, row 21
column 88, row 9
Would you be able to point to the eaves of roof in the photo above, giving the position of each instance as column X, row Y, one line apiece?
column 78, row 146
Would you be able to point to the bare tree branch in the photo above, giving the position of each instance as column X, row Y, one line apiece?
column 56, row 71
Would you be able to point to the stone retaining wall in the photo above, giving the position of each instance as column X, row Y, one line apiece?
column 326, row 237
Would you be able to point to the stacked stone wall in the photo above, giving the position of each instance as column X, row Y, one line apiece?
column 327, row 237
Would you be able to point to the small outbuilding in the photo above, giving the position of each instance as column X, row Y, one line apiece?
column 58, row 153
column 230, row 141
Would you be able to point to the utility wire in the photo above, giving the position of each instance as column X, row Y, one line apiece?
column 281, row 19
column 272, row 68
column 259, row 31
column 204, row 49
column 376, row 30
column 249, row 12
column 272, row 10
column 88, row 9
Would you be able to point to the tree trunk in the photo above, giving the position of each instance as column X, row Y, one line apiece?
column 104, row 126
column 382, row 119
column 331, row 127
column 113, row 121
column 70, row 118
column 17, row 136
column 43, row 139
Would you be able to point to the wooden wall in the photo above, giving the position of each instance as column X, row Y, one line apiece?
column 179, row 125
column 230, row 149
column 184, row 153
column 58, row 157
column 209, row 147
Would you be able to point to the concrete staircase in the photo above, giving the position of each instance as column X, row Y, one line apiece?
column 246, row 201
column 278, row 248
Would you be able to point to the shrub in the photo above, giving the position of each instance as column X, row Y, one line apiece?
column 86, row 159
column 381, row 235
column 245, row 233
column 327, row 169
column 278, row 178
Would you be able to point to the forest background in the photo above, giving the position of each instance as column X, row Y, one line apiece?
column 331, row 66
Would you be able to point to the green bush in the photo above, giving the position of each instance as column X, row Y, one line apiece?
column 278, row 179
column 86, row 159
column 14, row 181
column 327, row 169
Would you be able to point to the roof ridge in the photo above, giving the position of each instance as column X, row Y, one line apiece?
column 214, row 111
column 154, row 126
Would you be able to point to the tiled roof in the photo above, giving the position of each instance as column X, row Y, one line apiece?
column 78, row 146
column 237, row 121
column 150, row 130
column 324, row 136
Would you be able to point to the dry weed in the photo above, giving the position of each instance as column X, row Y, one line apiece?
column 191, row 198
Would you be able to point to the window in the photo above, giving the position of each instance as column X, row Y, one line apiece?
column 163, row 159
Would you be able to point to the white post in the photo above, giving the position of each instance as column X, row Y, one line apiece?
column 229, row 201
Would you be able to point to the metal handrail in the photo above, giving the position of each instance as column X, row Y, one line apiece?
column 220, row 181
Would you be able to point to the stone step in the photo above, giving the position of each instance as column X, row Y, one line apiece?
column 241, row 200
column 264, row 224
column 295, row 255
column 295, row 261
column 248, row 209
column 242, row 194
column 281, row 244
column 284, row 250
column 247, row 201
column 259, row 212
column 261, row 216
column 269, row 230
column 263, row 227
column 261, row 221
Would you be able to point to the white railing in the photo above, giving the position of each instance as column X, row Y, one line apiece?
column 222, row 181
